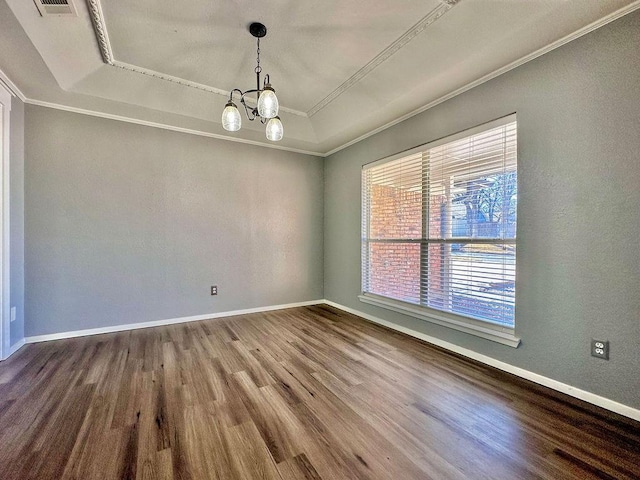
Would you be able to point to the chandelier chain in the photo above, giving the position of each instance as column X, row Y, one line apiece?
column 258, row 67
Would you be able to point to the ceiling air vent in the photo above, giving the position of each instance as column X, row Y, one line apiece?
column 55, row 7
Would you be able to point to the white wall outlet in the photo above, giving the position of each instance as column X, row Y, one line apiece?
column 600, row 349
column 13, row 314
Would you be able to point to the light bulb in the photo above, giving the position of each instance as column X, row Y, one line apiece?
column 275, row 131
column 231, row 119
column 268, row 102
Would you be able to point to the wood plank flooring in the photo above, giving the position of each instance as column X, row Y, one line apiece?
column 304, row 393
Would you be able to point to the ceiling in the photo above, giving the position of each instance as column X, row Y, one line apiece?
column 341, row 68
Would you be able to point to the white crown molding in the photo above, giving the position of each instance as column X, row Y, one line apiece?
column 496, row 73
column 12, row 87
column 100, row 29
column 189, row 83
column 102, row 36
column 572, row 391
column 14, row 90
column 171, row 78
column 413, row 32
column 160, row 323
column 165, row 126
column 583, row 31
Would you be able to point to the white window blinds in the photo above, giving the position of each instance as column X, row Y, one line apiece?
column 439, row 225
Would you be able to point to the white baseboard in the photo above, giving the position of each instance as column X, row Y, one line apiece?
column 159, row 323
column 15, row 347
column 588, row 397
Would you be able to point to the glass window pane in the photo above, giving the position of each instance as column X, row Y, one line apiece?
column 394, row 271
column 472, row 279
column 484, row 207
column 395, row 200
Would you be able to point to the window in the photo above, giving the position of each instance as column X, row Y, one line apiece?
column 439, row 231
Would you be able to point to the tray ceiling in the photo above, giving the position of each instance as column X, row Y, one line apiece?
column 340, row 70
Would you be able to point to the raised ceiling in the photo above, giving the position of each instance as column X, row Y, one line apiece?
column 341, row 68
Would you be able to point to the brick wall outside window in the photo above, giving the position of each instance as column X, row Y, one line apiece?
column 395, row 267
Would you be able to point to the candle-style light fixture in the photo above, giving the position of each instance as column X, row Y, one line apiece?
column 267, row 105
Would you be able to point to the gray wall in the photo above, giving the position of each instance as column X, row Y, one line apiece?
column 16, row 219
column 126, row 223
column 578, row 111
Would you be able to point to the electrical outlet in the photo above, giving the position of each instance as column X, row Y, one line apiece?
column 13, row 314
column 214, row 290
column 600, row 349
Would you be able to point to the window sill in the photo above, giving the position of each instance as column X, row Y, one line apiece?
column 495, row 333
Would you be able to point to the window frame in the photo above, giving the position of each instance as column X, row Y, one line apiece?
column 505, row 335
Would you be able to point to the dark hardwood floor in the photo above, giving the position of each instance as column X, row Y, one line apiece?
column 304, row 393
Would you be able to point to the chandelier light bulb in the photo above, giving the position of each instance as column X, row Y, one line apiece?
column 275, row 131
column 231, row 119
column 268, row 103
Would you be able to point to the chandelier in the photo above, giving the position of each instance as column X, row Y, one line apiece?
column 266, row 108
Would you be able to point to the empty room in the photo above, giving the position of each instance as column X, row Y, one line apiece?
column 320, row 240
